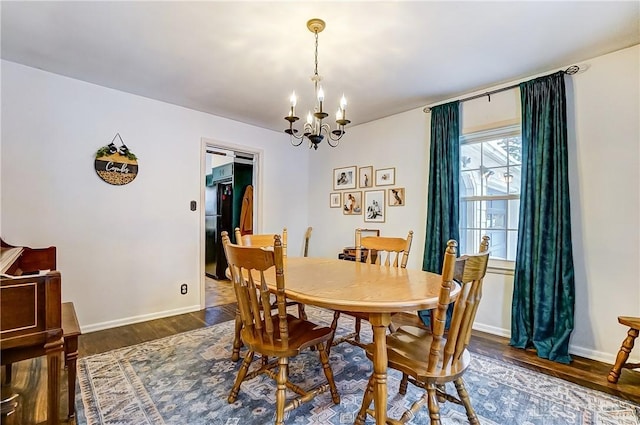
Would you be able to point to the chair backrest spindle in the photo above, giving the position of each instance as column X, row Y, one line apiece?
column 444, row 299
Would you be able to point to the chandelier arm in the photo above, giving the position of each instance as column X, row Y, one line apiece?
column 308, row 129
column 333, row 138
column 331, row 144
column 293, row 134
column 292, row 138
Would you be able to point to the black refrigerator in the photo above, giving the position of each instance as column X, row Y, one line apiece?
column 218, row 201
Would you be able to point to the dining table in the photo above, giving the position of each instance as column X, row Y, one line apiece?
column 377, row 290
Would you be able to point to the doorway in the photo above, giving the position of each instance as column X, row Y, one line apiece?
column 227, row 172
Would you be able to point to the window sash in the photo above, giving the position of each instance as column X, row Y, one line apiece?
column 478, row 226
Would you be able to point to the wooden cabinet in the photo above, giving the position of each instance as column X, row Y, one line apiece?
column 31, row 315
column 31, row 326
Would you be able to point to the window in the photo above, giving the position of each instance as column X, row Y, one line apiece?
column 490, row 170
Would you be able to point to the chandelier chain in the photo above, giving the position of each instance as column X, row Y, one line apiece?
column 316, row 55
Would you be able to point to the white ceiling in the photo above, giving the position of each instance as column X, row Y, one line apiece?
column 242, row 59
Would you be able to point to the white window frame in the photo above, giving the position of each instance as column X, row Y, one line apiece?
column 501, row 266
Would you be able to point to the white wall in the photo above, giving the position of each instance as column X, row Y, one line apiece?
column 604, row 159
column 123, row 250
column 605, row 205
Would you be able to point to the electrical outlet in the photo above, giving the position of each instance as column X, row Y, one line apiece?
column 183, row 288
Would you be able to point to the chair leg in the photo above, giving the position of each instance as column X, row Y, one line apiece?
column 434, row 408
column 7, row 371
column 623, row 355
column 281, row 393
column 301, row 313
column 366, row 402
column 237, row 340
column 441, row 390
column 358, row 327
column 404, row 383
column 410, row 413
column 466, row 401
column 324, row 359
column 233, row 396
column 334, row 326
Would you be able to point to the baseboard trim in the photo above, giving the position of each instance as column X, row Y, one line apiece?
column 493, row 330
column 573, row 349
column 592, row 354
column 137, row 319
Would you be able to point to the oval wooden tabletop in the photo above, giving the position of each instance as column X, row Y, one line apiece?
column 353, row 286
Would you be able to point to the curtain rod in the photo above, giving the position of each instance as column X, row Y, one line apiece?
column 573, row 69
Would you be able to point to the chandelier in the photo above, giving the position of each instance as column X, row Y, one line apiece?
column 314, row 129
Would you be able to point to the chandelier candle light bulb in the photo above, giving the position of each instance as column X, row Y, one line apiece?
column 314, row 130
column 293, row 100
column 320, row 97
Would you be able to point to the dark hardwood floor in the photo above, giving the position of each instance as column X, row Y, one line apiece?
column 29, row 377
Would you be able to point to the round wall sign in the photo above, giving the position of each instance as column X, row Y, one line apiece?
column 116, row 166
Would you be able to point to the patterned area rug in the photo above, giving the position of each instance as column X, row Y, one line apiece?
column 185, row 379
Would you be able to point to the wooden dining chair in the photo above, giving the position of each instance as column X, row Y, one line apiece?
column 429, row 359
column 633, row 323
column 278, row 335
column 263, row 240
column 381, row 250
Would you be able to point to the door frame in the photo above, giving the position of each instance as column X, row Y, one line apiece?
column 257, row 195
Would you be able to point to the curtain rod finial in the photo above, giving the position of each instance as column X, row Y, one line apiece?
column 573, row 69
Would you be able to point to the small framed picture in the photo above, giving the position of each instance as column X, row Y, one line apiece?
column 344, row 178
column 396, row 197
column 385, row 177
column 365, row 176
column 334, row 200
column 352, row 203
column 374, row 206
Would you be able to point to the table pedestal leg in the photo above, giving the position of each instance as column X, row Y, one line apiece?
column 379, row 323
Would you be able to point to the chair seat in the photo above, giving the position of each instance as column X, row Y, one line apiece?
column 302, row 334
column 632, row 322
column 407, row 348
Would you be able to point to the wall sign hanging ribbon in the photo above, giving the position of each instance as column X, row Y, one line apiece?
column 116, row 165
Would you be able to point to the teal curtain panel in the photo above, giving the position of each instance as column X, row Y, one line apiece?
column 443, row 193
column 544, row 288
